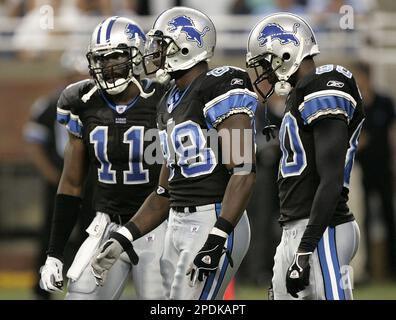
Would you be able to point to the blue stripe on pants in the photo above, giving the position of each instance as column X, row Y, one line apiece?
column 336, row 264
column 210, row 279
column 223, row 269
column 325, row 270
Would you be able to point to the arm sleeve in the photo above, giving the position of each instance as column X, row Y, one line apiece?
column 227, row 91
column 331, row 139
column 64, row 218
column 67, row 111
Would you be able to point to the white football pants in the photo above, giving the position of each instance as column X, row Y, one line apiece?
column 146, row 274
column 331, row 276
column 185, row 236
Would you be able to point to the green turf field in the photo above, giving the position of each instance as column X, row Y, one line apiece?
column 380, row 291
column 385, row 291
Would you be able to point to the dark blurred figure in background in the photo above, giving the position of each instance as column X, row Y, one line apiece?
column 264, row 7
column 46, row 140
column 375, row 155
column 263, row 207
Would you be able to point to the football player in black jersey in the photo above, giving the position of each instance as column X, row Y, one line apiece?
column 46, row 139
column 203, row 196
column 107, row 118
column 318, row 137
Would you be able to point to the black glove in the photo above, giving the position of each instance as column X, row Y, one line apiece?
column 269, row 132
column 271, row 293
column 297, row 276
column 208, row 258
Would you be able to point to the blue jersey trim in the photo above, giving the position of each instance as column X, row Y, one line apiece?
column 234, row 103
column 326, row 105
column 72, row 123
column 351, row 152
column 175, row 97
column 113, row 106
column 63, row 118
column 74, row 127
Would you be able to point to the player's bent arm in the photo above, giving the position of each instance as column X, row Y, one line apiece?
column 155, row 208
column 151, row 214
column 67, row 206
column 68, row 198
column 237, row 139
column 331, row 143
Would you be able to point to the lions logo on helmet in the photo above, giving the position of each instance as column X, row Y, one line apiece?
column 276, row 47
column 167, row 51
column 186, row 25
column 120, row 40
column 131, row 30
column 274, row 31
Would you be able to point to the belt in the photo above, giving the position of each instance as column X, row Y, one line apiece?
column 192, row 209
column 189, row 209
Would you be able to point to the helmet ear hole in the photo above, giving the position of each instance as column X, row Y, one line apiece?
column 184, row 51
column 276, row 62
column 286, row 56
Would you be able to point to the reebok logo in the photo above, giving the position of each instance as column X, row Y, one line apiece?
column 334, row 83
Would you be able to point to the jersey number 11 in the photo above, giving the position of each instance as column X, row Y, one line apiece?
column 134, row 136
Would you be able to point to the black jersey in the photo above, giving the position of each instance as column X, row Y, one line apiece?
column 114, row 136
column 187, row 122
column 43, row 128
column 330, row 92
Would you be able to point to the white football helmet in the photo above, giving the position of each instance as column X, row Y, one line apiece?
column 123, row 40
column 276, row 47
column 180, row 38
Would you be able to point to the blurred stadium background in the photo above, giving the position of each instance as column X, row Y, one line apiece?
column 38, row 36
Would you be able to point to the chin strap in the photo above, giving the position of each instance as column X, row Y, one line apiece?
column 143, row 94
column 162, row 76
column 89, row 94
column 282, row 88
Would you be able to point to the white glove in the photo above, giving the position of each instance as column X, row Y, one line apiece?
column 51, row 275
column 104, row 259
column 109, row 253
